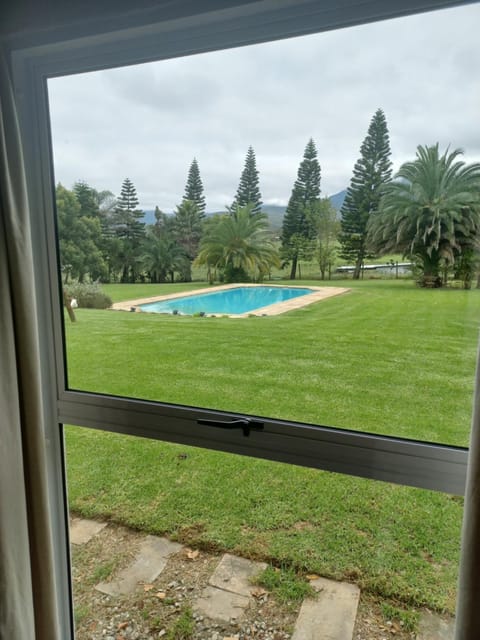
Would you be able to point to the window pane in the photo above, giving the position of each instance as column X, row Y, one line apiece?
column 162, row 168
column 400, row 545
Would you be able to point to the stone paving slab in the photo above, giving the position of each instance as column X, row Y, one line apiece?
column 221, row 605
column 150, row 561
column 229, row 590
column 433, row 627
column 329, row 616
column 235, row 574
column 82, row 530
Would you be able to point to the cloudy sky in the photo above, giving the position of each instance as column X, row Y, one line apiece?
column 147, row 122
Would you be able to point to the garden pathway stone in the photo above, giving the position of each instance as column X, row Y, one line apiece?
column 433, row 627
column 151, row 559
column 235, row 574
column 82, row 530
column 221, row 605
column 329, row 616
column 229, row 591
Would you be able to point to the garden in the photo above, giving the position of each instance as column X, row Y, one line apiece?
column 387, row 357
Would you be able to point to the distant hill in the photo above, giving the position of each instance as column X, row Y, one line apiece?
column 149, row 216
column 337, row 199
column 275, row 213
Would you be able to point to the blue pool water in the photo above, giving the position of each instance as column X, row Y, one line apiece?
column 230, row 301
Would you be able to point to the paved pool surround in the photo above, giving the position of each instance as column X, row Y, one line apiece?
column 318, row 293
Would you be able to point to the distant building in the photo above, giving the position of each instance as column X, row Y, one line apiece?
column 386, row 269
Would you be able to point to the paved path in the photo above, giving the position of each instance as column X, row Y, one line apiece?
column 150, row 561
column 82, row 530
column 329, row 616
column 433, row 627
column 229, row 589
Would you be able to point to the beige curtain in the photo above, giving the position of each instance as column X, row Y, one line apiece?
column 27, row 596
column 468, row 601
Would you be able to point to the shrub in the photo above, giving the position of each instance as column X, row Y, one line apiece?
column 88, row 296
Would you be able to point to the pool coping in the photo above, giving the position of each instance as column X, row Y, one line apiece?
column 318, row 293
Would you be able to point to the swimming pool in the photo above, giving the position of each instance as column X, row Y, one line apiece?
column 232, row 301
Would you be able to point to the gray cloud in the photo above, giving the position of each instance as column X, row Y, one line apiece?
column 147, row 122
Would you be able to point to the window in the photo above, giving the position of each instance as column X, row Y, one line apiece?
column 289, row 437
column 150, row 120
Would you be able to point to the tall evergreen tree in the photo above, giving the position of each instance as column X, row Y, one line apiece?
column 164, row 223
column 297, row 228
column 187, row 229
column 194, row 188
column 87, row 198
column 127, row 226
column 371, row 173
column 248, row 192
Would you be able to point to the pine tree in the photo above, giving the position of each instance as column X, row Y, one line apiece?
column 297, row 229
column 371, row 173
column 87, row 199
column 127, row 226
column 248, row 192
column 187, row 230
column 194, row 188
column 128, row 200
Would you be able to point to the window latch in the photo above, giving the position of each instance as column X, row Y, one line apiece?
column 245, row 424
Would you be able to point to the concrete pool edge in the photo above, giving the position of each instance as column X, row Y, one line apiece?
column 318, row 293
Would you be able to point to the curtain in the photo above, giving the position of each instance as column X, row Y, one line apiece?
column 27, row 590
column 468, row 600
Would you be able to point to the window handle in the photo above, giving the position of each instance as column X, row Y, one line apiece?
column 245, row 424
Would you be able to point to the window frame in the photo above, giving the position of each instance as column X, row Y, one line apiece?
column 403, row 461
column 408, row 462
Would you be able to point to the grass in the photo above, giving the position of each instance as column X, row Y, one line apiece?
column 102, row 572
column 408, row 620
column 183, row 627
column 387, row 358
column 285, row 584
column 80, row 613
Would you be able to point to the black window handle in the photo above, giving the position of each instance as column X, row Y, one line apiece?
column 244, row 424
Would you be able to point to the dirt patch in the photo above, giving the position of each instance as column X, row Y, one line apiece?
column 164, row 609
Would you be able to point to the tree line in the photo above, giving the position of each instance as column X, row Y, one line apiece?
column 429, row 211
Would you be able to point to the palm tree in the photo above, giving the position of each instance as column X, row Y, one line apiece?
column 430, row 212
column 237, row 243
column 162, row 257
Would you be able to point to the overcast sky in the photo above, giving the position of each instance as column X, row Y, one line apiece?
column 147, row 122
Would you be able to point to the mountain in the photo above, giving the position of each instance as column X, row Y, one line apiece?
column 149, row 216
column 275, row 213
column 337, row 199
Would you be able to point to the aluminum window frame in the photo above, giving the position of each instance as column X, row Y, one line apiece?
column 421, row 464
column 408, row 462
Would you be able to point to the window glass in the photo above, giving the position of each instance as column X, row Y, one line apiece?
column 273, row 164
column 398, row 544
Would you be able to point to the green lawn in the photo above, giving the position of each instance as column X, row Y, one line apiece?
column 387, row 358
